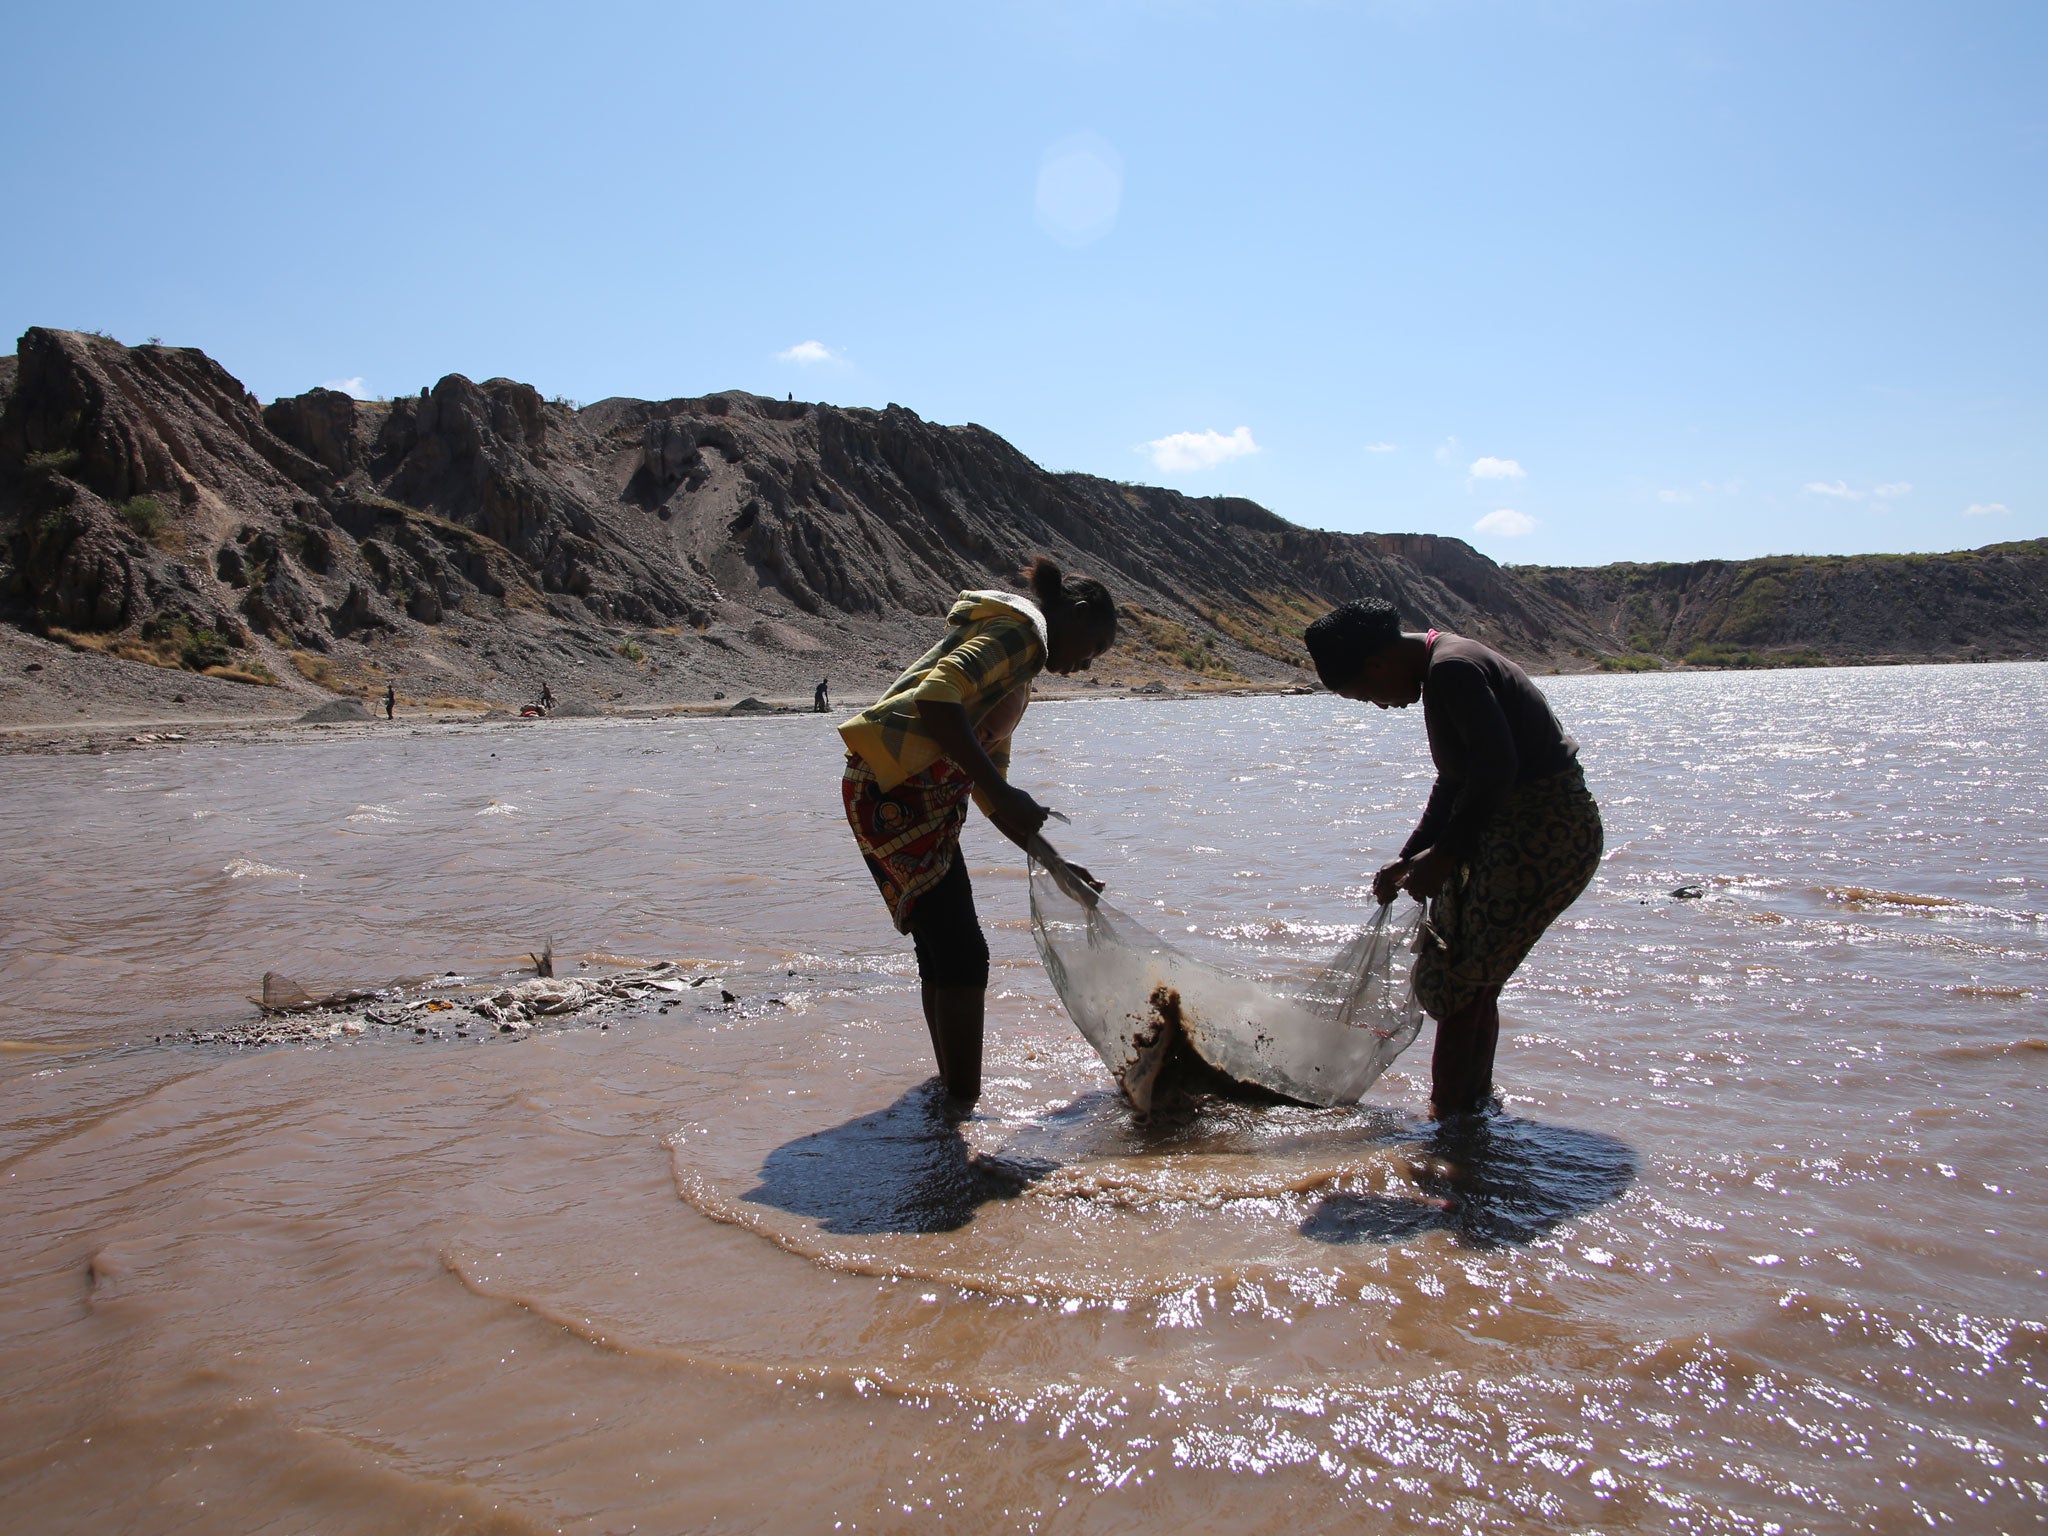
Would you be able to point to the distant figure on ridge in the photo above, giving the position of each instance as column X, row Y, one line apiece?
column 821, row 696
column 390, row 702
column 940, row 734
column 1509, row 838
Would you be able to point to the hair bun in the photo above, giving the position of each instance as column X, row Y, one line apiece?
column 1085, row 597
column 1045, row 579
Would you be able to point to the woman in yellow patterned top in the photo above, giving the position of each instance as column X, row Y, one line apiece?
column 940, row 734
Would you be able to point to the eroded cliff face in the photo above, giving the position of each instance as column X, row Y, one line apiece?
column 476, row 540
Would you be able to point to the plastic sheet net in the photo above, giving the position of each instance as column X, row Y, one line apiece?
column 1145, row 1005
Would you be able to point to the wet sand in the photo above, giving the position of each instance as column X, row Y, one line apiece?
column 1755, row 1244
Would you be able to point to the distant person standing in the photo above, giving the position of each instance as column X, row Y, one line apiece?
column 821, row 696
column 390, row 702
column 547, row 699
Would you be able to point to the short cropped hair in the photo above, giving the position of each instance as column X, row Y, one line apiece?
column 1343, row 640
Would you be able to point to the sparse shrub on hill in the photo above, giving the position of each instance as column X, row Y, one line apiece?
column 146, row 516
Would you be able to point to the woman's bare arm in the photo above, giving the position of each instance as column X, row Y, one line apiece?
column 1016, row 815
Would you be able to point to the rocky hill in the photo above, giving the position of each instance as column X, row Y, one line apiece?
column 473, row 541
column 1989, row 603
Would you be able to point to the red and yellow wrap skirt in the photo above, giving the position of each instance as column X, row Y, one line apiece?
column 910, row 834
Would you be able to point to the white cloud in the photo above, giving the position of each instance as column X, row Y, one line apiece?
column 1200, row 450
column 1986, row 509
column 1447, row 450
column 353, row 387
column 1379, row 448
column 1490, row 468
column 1842, row 490
column 1505, row 524
column 1674, row 496
column 807, row 353
column 1080, row 189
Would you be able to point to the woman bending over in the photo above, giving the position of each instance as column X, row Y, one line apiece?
column 940, row 734
column 1508, row 840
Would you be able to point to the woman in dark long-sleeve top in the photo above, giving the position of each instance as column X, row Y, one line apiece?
column 1510, row 835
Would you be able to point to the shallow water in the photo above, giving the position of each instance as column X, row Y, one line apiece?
column 1756, row 1245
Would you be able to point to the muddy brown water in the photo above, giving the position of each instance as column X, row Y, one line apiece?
column 1756, row 1246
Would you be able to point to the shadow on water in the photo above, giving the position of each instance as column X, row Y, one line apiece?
column 901, row 1169
column 1490, row 1181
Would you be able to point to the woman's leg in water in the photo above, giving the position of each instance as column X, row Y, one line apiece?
column 1533, row 859
column 954, row 1017
column 1461, row 1068
column 952, row 965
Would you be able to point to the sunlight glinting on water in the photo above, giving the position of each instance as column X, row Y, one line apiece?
column 1753, row 1247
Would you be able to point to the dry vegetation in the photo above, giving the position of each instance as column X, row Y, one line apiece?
column 1175, row 645
column 326, row 672
column 174, row 642
column 1274, row 629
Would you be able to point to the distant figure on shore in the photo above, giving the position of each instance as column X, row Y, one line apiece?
column 390, row 702
column 1509, row 838
column 821, row 696
column 547, row 699
column 940, row 734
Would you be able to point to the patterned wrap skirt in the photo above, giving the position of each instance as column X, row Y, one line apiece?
column 910, row 834
column 1538, row 852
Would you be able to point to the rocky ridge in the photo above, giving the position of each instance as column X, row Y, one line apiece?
column 468, row 543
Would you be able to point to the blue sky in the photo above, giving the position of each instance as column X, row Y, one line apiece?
column 1575, row 281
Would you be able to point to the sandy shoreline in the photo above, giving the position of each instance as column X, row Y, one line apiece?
column 55, row 699
column 136, row 732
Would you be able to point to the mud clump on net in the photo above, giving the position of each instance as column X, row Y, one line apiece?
column 1165, row 1074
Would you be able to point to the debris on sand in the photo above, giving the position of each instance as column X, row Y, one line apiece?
column 283, row 995
column 544, row 997
column 292, row 1014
